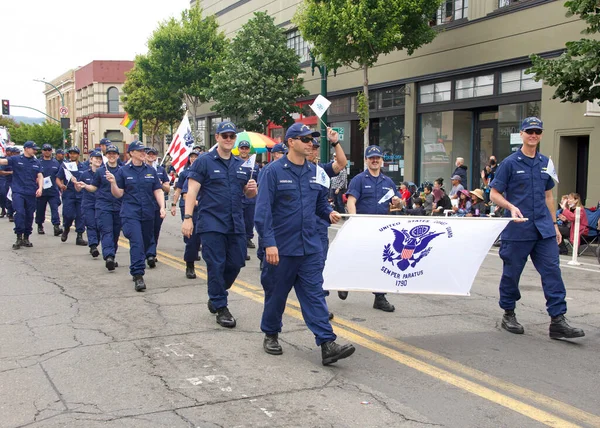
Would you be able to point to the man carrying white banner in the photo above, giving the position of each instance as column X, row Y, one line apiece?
column 371, row 192
column 525, row 180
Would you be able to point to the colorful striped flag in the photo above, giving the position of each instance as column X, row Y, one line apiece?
column 129, row 123
column 180, row 148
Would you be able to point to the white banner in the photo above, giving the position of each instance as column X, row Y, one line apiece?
column 320, row 105
column 405, row 254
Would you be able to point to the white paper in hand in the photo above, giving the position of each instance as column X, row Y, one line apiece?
column 389, row 195
column 320, row 105
column 47, row 182
column 70, row 166
column 68, row 176
column 250, row 162
column 322, row 178
column 551, row 170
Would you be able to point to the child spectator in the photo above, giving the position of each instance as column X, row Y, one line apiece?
column 428, row 205
column 477, row 204
column 464, row 203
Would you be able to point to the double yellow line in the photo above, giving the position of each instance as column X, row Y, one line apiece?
column 476, row 382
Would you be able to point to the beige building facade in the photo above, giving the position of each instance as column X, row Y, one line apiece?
column 463, row 95
column 65, row 84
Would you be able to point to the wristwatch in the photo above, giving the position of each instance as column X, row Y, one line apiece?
column 173, row 204
column 335, row 144
column 188, row 216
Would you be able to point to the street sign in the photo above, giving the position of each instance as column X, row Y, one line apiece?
column 64, row 111
column 340, row 132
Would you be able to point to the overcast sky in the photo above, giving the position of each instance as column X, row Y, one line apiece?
column 42, row 39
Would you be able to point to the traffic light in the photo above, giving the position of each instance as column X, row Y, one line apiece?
column 6, row 107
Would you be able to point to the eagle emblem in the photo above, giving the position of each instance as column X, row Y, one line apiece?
column 410, row 246
column 188, row 138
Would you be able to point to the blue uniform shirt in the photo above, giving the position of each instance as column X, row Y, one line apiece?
column 222, row 186
column 139, row 184
column 3, row 177
column 89, row 198
column 181, row 180
column 163, row 178
column 368, row 191
column 288, row 199
column 323, row 225
column 105, row 201
column 24, row 177
column 70, row 192
column 524, row 181
column 50, row 169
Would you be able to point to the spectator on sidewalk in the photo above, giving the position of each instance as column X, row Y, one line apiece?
column 461, row 171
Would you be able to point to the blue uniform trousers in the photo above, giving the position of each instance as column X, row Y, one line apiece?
column 109, row 227
column 3, row 197
column 325, row 244
column 305, row 274
column 40, row 210
column 544, row 255
column 89, row 218
column 72, row 212
column 140, row 234
column 192, row 244
column 224, row 255
column 24, row 210
column 151, row 251
column 249, row 210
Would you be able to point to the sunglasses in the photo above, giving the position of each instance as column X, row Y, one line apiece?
column 304, row 139
column 229, row 136
column 533, row 131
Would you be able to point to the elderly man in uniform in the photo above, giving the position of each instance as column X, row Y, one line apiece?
column 139, row 186
column 289, row 197
column 72, row 199
column 367, row 193
column 27, row 184
column 50, row 195
column 107, row 208
column 527, row 187
column 221, row 181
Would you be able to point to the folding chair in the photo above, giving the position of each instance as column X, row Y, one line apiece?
column 593, row 235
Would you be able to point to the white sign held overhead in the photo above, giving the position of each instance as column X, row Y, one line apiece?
column 320, row 105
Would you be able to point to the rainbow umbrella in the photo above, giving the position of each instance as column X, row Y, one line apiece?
column 258, row 142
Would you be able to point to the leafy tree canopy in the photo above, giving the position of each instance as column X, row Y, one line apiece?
column 576, row 73
column 259, row 80
column 46, row 133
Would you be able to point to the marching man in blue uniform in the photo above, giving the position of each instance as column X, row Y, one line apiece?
column 72, row 199
column 27, row 184
column 290, row 194
column 138, row 184
column 50, row 195
column 88, row 204
column 108, row 208
column 6, row 171
column 151, row 156
column 221, row 181
column 523, row 187
column 371, row 192
column 248, row 204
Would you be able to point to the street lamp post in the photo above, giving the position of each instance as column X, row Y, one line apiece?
column 324, row 154
column 62, row 103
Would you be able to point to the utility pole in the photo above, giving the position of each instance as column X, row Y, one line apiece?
column 62, row 103
column 324, row 154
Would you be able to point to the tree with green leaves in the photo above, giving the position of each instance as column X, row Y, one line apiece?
column 158, row 106
column 259, row 80
column 575, row 74
column 184, row 54
column 46, row 133
column 355, row 33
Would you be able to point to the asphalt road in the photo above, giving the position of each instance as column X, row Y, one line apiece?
column 80, row 348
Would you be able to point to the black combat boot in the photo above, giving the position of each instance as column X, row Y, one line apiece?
column 57, row 230
column 151, row 262
column 94, row 251
column 510, row 323
column 80, row 241
column 559, row 328
column 140, row 285
column 11, row 218
column 41, row 230
column 18, row 243
column 110, row 263
column 65, row 234
column 211, row 307
column 190, row 272
column 3, row 213
column 382, row 303
column 224, row 318
column 25, row 242
column 331, row 352
column 250, row 244
column 343, row 295
column 271, row 344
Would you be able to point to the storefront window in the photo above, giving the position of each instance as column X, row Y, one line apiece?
column 510, row 117
column 518, row 80
column 435, row 92
column 444, row 137
column 388, row 133
column 475, row 87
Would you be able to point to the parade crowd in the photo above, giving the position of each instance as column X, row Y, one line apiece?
column 224, row 198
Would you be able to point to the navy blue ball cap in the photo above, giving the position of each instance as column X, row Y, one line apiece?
column 300, row 130
column 316, row 142
column 46, row 146
column 194, row 153
column 136, row 145
column 151, row 150
column 531, row 123
column 226, row 127
column 105, row 142
column 13, row 149
column 112, row 149
column 244, row 144
column 96, row 154
column 60, row 152
column 278, row 148
column 373, row 151
column 30, row 145
column 73, row 150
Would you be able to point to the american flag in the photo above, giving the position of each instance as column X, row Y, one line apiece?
column 180, row 148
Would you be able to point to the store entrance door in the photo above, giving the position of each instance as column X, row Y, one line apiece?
column 486, row 137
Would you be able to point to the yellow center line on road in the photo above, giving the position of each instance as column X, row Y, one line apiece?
column 343, row 329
